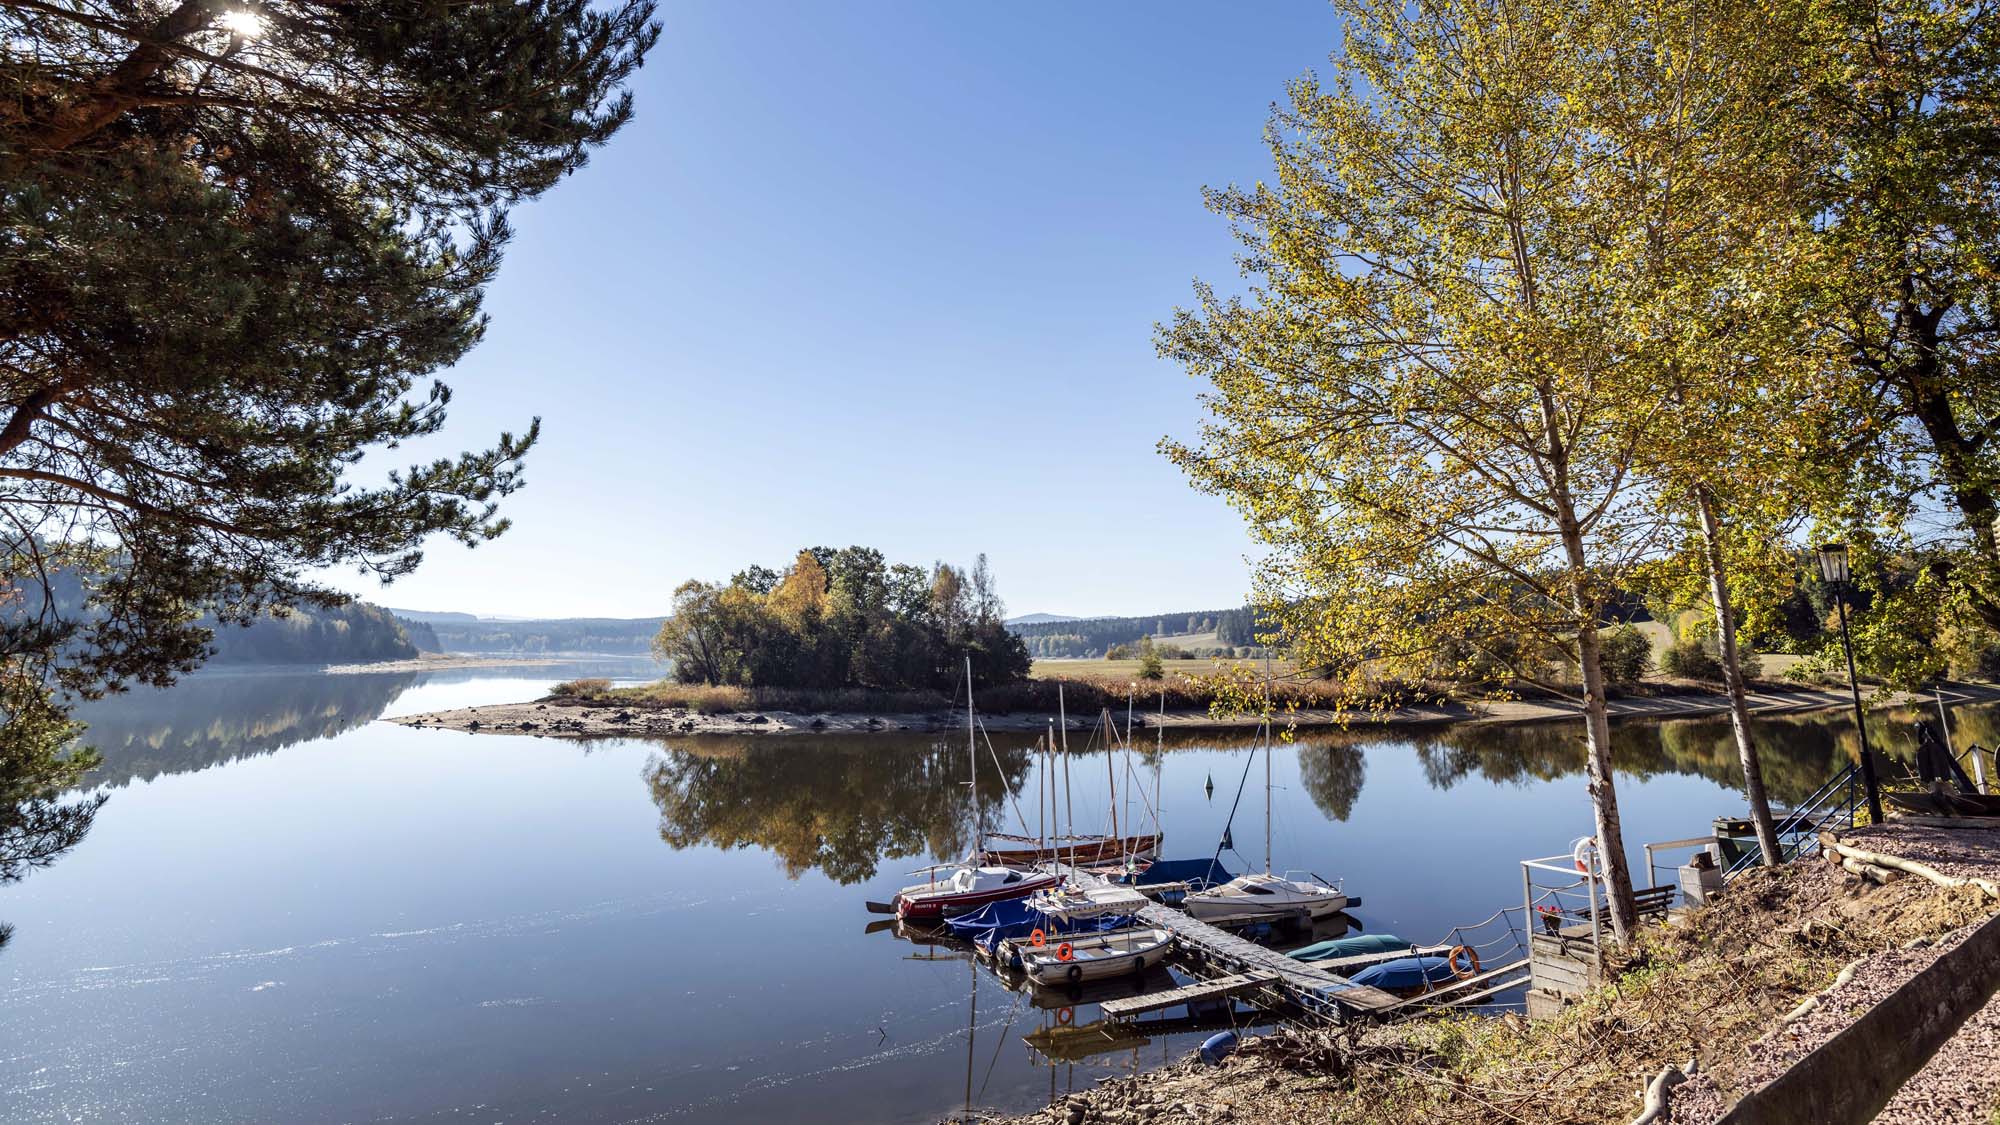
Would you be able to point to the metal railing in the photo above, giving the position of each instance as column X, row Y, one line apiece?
column 1833, row 805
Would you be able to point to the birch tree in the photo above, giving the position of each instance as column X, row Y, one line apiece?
column 1426, row 406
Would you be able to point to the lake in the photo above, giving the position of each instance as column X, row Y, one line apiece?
column 287, row 911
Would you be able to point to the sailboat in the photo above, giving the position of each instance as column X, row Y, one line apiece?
column 955, row 889
column 1263, row 896
column 1085, row 851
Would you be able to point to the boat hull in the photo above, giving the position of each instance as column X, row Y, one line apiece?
column 1086, row 854
column 1098, row 957
column 920, row 904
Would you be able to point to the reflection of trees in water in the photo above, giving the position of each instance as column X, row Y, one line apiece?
column 1799, row 752
column 1332, row 773
column 209, row 719
column 839, row 805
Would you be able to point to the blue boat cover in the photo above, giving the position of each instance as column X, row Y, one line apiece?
column 1013, row 918
column 1358, row 945
column 1405, row 972
column 1200, row 872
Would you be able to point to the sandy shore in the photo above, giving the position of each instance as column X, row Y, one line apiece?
column 561, row 718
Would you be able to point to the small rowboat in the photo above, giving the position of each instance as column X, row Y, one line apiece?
column 967, row 889
column 1073, row 961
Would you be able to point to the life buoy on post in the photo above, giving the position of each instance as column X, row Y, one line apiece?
column 1065, row 953
column 1584, row 851
column 1468, row 966
column 1038, row 939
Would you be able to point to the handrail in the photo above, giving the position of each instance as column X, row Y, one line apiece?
column 1837, row 798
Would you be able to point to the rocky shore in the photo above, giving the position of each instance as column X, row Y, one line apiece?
column 557, row 717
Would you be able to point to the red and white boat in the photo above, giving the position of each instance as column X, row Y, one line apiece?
column 965, row 889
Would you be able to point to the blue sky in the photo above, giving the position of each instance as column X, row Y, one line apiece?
column 883, row 274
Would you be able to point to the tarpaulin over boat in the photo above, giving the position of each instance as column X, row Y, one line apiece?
column 1406, row 972
column 1356, row 945
column 1013, row 918
column 1199, row 872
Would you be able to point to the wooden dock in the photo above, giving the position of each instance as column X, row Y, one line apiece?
column 1316, row 990
column 1125, row 1007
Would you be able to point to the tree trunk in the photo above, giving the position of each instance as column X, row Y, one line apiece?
column 1603, row 794
column 1732, row 676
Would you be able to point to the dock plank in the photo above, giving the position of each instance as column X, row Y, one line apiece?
column 1125, row 1007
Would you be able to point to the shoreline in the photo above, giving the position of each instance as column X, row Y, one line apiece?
column 576, row 719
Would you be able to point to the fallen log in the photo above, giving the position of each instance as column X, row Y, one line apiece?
column 1656, row 1094
column 1831, row 842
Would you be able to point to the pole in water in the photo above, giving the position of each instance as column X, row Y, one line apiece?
column 1209, row 787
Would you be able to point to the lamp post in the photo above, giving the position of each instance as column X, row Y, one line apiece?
column 1833, row 568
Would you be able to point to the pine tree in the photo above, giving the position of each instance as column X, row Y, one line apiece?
column 235, row 247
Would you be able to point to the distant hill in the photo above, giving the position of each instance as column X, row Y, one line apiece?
column 1039, row 619
column 431, row 617
column 462, row 632
column 1201, row 633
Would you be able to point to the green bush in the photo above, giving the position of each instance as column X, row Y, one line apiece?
column 580, row 689
column 1691, row 660
column 1627, row 655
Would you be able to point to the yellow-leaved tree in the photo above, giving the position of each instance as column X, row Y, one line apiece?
column 1432, row 404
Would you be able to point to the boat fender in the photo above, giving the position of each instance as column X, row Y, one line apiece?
column 1218, row 1047
column 1466, row 967
column 1138, row 966
column 1038, row 938
column 1064, row 1016
column 1065, row 952
column 1075, row 973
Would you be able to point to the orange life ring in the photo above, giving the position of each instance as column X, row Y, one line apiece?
column 1065, row 953
column 1470, row 968
column 1038, row 939
column 1064, row 1016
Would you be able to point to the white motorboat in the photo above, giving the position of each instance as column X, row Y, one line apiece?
column 1262, row 897
column 1075, row 960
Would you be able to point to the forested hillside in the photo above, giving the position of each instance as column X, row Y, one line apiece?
column 351, row 634
column 1202, row 633
column 569, row 634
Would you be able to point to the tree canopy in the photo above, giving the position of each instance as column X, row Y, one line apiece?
column 843, row 618
column 236, row 245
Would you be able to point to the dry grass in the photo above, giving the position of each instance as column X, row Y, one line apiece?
column 1701, row 991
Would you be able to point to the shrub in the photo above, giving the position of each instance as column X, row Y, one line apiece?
column 1691, row 660
column 580, row 689
column 1627, row 655
column 1150, row 667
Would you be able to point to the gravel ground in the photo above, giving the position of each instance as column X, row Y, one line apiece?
column 1960, row 1084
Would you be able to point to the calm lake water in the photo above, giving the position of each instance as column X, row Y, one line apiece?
column 289, row 912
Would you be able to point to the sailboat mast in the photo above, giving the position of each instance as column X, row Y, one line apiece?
column 1267, row 762
column 1062, row 714
column 1130, row 778
column 972, row 760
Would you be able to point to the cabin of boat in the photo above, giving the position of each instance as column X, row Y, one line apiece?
column 1263, row 896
